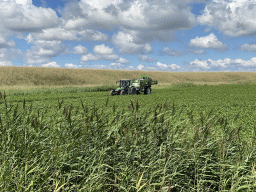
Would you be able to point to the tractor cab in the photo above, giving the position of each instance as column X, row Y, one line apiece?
column 123, row 88
column 124, row 83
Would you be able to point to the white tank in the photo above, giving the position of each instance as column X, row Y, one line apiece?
column 136, row 84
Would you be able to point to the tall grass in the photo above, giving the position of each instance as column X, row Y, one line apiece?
column 39, row 76
column 165, row 147
column 66, row 89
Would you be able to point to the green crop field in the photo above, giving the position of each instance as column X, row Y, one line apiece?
column 179, row 138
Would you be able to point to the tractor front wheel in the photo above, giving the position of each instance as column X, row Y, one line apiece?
column 111, row 92
column 123, row 92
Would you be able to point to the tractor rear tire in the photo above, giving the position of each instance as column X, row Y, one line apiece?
column 123, row 92
column 147, row 91
column 111, row 93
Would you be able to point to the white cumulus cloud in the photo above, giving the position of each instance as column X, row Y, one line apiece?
column 63, row 34
column 167, row 67
column 5, row 63
column 122, row 60
column 248, row 47
column 233, row 18
column 102, row 49
column 89, row 57
column 51, row 64
column 113, row 66
column 103, row 52
column 207, row 42
column 5, row 43
column 43, row 51
column 126, row 42
column 174, row 66
column 200, row 63
column 159, row 67
column 138, row 24
column 138, row 15
column 71, row 65
column 75, row 23
column 79, row 49
column 55, row 34
column 251, row 62
column 147, row 59
column 92, row 35
column 225, row 64
column 20, row 15
column 140, row 67
column 117, row 66
column 7, row 55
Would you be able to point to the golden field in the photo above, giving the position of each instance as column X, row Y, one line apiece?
column 35, row 77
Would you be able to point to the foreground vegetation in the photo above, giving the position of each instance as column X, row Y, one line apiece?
column 183, row 138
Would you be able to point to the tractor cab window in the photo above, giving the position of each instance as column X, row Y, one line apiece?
column 124, row 83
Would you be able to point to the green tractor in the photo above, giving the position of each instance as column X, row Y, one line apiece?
column 134, row 86
column 123, row 88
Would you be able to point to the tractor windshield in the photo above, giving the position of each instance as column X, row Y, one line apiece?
column 124, row 83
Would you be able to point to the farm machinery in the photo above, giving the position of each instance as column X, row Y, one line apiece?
column 134, row 86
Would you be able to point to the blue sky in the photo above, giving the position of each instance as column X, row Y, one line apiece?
column 158, row 35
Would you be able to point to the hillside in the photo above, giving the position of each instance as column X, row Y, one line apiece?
column 38, row 77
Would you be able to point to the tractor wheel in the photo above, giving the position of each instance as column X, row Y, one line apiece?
column 133, row 90
column 111, row 93
column 123, row 92
column 147, row 91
